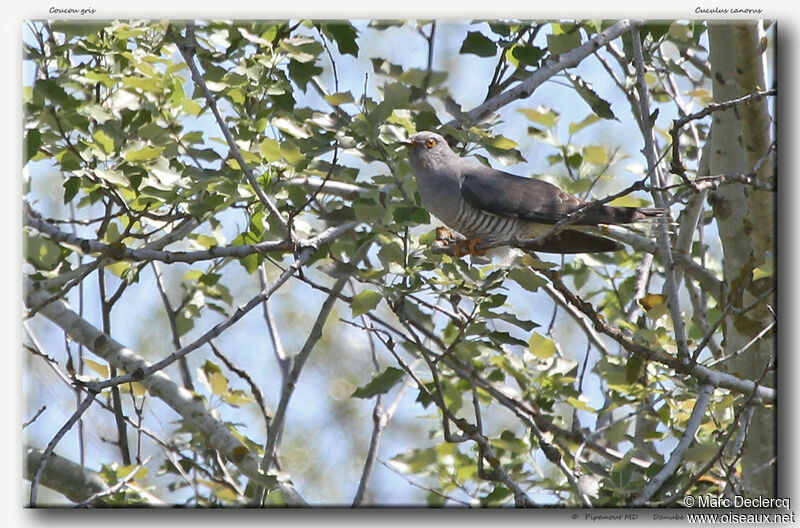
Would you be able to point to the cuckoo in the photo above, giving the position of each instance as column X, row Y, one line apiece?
column 488, row 205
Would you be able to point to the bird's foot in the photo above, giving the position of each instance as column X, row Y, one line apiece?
column 469, row 247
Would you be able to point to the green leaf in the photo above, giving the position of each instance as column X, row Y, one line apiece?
column 302, row 72
column 33, row 140
column 564, row 38
column 345, row 36
column 525, row 54
column 302, row 49
column 250, row 262
column 364, row 302
column 391, row 253
column 56, row 94
column 416, row 461
column 633, row 368
column 478, row 44
column 411, row 214
column 144, row 154
column 512, row 319
column 144, row 84
column 526, row 278
column 68, row 160
column 43, row 253
column 598, row 105
column 71, row 186
column 380, row 383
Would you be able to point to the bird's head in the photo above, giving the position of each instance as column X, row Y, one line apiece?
column 428, row 150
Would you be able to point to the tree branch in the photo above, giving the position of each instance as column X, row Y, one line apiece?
column 675, row 458
column 703, row 374
column 564, row 61
column 651, row 154
column 72, row 480
column 299, row 360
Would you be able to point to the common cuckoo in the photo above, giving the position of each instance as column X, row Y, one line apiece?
column 486, row 205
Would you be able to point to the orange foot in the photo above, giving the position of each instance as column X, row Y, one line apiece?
column 468, row 247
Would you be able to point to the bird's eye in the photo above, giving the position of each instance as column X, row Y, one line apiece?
column 430, row 142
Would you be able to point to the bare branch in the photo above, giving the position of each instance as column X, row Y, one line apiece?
column 299, row 360
column 677, row 167
column 51, row 446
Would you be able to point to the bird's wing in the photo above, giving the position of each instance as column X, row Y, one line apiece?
column 505, row 194
column 508, row 195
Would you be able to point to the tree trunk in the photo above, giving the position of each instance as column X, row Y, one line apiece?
column 740, row 139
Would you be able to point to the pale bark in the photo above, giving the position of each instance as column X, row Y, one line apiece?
column 740, row 138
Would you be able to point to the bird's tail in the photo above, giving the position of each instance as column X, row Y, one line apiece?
column 640, row 214
column 615, row 215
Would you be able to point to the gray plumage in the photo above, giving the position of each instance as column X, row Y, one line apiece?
column 480, row 202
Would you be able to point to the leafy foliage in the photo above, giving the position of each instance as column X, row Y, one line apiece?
column 513, row 394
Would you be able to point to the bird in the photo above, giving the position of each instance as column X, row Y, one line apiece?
column 486, row 205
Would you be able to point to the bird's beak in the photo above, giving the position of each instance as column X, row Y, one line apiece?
column 409, row 144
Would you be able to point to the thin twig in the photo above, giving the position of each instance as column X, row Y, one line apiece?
column 307, row 252
column 265, row 412
column 118, row 251
column 51, row 445
column 35, row 416
column 115, row 488
column 677, row 167
column 299, row 360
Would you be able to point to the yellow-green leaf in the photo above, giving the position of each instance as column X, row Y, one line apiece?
column 339, row 98
column 503, row 143
column 765, row 270
column 629, row 201
column 541, row 347
column 579, row 404
column 588, row 120
column 544, row 116
column 218, row 383
column 191, row 107
column 144, row 154
column 650, row 301
column 105, row 142
column 97, row 367
column 595, row 154
column 125, row 471
column 148, row 85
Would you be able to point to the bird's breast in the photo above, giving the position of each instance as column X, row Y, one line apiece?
column 476, row 223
